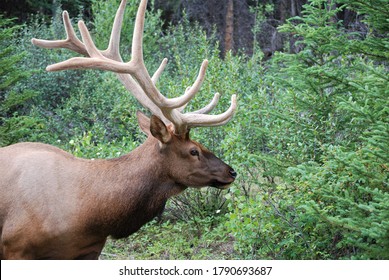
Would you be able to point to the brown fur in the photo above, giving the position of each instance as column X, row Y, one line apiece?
column 56, row 206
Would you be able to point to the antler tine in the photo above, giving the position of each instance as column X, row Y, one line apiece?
column 89, row 44
column 71, row 42
column 175, row 102
column 210, row 106
column 114, row 42
column 192, row 91
column 137, row 37
column 198, row 119
column 159, row 71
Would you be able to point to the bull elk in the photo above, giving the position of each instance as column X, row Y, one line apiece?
column 56, row 206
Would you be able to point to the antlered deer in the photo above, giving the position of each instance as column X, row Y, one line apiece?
column 56, row 206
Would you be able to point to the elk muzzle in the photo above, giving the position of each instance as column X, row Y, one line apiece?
column 225, row 180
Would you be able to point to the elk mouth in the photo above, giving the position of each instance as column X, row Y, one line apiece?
column 224, row 184
column 220, row 185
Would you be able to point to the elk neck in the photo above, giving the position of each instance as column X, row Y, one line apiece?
column 130, row 191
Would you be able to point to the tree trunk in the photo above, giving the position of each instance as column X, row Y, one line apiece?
column 229, row 31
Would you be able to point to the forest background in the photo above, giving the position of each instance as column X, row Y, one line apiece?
column 309, row 140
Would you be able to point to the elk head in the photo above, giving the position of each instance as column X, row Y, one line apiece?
column 187, row 162
column 190, row 162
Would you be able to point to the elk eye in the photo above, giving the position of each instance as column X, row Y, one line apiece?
column 194, row 152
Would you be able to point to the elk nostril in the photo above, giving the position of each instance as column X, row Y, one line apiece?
column 233, row 174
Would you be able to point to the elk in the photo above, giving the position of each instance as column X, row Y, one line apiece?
column 56, row 206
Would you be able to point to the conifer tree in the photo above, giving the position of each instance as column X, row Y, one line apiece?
column 336, row 125
column 13, row 124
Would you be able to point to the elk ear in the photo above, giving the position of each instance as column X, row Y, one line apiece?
column 187, row 135
column 144, row 122
column 159, row 130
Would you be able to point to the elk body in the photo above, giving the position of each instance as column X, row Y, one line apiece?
column 56, row 206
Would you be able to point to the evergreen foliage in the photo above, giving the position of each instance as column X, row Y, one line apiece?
column 329, row 136
column 15, row 124
column 349, row 179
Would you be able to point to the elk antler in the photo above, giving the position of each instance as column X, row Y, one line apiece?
column 134, row 75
